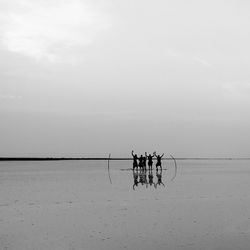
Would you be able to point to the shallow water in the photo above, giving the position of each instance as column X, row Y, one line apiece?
column 73, row 205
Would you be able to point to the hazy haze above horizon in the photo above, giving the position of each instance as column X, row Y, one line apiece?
column 88, row 78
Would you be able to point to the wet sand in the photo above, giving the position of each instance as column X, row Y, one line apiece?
column 73, row 205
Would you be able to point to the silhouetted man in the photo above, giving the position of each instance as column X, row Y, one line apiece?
column 135, row 158
column 145, row 161
column 141, row 162
column 150, row 161
column 158, row 158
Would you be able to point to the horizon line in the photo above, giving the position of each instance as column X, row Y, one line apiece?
column 112, row 158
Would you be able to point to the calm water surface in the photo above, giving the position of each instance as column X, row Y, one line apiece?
column 80, row 205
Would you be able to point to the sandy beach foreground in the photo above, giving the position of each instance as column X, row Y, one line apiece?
column 73, row 205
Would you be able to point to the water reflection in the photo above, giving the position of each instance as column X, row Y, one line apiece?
column 145, row 178
column 136, row 177
column 150, row 177
column 140, row 177
column 159, row 178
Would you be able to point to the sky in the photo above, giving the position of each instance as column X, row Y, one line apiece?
column 89, row 78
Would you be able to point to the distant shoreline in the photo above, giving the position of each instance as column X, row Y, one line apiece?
column 113, row 158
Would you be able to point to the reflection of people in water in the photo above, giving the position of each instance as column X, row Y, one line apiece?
column 135, row 158
column 150, row 177
column 158, row 158
column 159, row 178
column 143, row 177
column 140, row 176
column 136, row 176
column 150, row 160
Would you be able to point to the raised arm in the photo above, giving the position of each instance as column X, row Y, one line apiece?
column 162, row 155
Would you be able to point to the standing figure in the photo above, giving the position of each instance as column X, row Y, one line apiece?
column 135, row 158
column 141, row 160
column 158, row 158
column 145, row 161
column 150, row 160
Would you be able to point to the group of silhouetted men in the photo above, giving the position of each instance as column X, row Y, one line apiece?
column 141, row 162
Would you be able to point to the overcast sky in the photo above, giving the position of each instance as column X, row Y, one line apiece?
column 88, row 78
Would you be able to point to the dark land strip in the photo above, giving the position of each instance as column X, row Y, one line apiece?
column 113, row 158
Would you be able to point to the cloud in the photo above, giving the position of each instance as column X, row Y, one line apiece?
column 10, row 97
column 237, row 91
column 187, row 58
column 201, row 61
column 49, row 30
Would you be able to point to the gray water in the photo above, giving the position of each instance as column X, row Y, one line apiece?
column 82, row 205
